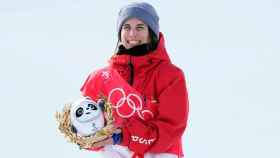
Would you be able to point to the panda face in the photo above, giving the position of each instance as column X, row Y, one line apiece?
column 80, row 110
column 87, row 116
column 86, row 111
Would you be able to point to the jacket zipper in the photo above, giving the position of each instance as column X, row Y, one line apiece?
column 131, row 72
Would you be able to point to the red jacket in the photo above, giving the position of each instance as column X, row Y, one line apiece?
column 163, row 86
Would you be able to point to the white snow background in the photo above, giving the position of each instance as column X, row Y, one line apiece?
column 229, row 51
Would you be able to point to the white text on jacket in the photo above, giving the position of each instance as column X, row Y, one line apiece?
column 141, row 140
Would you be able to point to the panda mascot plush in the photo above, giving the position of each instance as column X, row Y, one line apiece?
column 87, row 116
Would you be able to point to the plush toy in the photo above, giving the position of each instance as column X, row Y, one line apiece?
column 86, row 122
column 87, row 116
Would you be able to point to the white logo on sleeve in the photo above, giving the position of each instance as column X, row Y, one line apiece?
column 106, row 75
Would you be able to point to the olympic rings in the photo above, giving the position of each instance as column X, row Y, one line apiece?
column 128, row 99
column 121, row 101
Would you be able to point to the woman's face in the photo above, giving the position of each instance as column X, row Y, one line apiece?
column 134, row 32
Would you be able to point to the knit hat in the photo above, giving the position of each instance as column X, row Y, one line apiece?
column 142, row 11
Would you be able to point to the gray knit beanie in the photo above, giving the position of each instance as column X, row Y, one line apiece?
column 142, row 11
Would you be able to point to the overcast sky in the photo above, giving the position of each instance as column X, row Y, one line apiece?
column 229, row 51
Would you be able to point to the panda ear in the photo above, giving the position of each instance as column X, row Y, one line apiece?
column 87, row 97
column 74, row 129
column 101, row 104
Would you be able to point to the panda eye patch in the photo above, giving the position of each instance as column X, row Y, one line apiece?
column 93, row 107
column 79, row 112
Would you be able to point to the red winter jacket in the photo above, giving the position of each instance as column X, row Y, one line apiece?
column 164, row 87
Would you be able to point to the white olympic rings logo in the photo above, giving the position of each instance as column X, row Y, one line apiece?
column 127, row 99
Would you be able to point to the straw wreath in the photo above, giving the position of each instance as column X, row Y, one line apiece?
column 64, row 122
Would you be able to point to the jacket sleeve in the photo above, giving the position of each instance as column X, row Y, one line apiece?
column 159, row 134
column 92, row 86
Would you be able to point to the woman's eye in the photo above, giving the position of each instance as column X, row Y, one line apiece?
column 126, row 28
column 140, row 28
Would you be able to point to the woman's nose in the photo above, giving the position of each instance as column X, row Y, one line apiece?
column 132, row 32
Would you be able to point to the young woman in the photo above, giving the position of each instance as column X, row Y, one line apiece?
column 142, row 60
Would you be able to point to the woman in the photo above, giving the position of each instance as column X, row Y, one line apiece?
column 142, row 60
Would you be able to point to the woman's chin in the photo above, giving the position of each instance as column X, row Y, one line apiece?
column 131, row 46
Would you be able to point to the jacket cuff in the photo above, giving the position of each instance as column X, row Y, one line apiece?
column 117, row 137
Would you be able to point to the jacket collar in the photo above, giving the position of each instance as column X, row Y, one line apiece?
column 155, row 56
column 139, row 50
